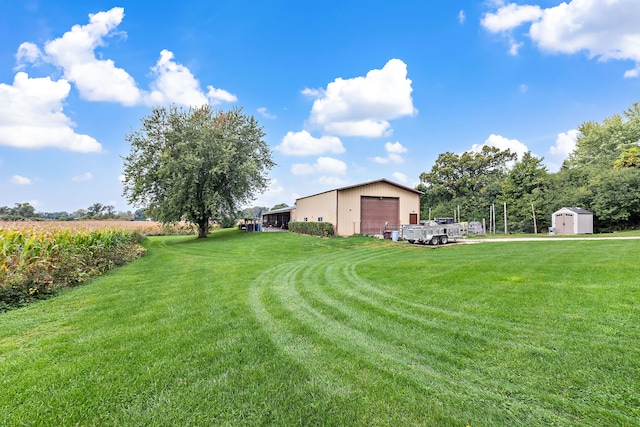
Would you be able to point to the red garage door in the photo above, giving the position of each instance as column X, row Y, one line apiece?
column 375, row 212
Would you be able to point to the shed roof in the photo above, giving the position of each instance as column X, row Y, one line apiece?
column 578, row 210
column 395, row 184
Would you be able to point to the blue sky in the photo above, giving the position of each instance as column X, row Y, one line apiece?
column 347, row 92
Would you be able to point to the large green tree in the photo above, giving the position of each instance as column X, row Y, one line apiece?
column 524, row 189
column 471, row 180
column 195, row 164
column 601, row 144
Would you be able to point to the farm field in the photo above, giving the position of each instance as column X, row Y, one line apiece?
column 148, row 228
column 282, row 329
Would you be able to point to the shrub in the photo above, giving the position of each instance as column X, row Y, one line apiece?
column 322, row 229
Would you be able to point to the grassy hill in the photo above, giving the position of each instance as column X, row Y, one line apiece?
column 282, row 329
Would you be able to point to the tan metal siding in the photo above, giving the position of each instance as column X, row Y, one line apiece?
column 349, row 215
column 319, row 206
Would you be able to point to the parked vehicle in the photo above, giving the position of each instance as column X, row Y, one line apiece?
column 437, row 232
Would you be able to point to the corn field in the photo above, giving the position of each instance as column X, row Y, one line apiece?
column 38, row 259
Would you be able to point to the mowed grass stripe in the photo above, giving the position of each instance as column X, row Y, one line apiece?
column 311, row 298
column 315, row 321
column 460, row 336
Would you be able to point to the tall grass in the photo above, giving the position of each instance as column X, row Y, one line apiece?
column 37, row 261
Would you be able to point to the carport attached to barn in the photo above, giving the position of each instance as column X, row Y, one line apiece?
column 279, row 217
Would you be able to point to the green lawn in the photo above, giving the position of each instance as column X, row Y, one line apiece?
column 280, row 329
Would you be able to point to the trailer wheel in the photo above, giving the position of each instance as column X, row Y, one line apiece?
column 444, row 240
column 411, row 241
column 435, row 240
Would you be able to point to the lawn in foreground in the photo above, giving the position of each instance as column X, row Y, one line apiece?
column 280, row 329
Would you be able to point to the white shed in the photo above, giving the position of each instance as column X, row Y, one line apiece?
column 572, row 221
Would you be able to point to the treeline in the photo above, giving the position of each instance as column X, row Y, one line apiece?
column 24, row 211
column 602, row 175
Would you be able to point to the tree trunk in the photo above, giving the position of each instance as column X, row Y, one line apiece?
column 203, row 228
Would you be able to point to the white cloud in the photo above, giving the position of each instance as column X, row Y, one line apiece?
column 265, row 113
column 564, row 146
column 303, row 144
column 31, row 116
column 565, row 143
column 461, row 17
column 325, row 165
column 393, row 153
column 363, row 106
column 606, row 30
column 312, row 92
column 502, row 143
column 28, row 53
column 395, row 147
column 523, row 88
column 400, row 177
column 87, row 176
column 510, row 16
column 174, row 83
column 218, row 96
column 96, row 79
column 100, row 80
column 20, row 180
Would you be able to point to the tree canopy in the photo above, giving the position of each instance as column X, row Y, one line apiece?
column 195, row 164
column 601, row 175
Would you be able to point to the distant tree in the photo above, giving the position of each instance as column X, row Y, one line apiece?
column 54, row 215
column 195, row 165
column 616, row 199
column 95, row 209
column 24, row 210
column 526, row 184
column 471, row 180
column 140, row 215
column 279, row 206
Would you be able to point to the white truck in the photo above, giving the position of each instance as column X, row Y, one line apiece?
column 437, row 232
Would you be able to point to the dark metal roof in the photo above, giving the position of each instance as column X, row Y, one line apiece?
column 395, row 184
column 578, row 210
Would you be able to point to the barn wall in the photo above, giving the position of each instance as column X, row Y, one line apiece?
column 321, row 205
column 349, row 214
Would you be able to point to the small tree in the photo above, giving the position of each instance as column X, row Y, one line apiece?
column 197, row 164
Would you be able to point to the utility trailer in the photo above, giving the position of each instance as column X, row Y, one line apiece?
column 438, row 232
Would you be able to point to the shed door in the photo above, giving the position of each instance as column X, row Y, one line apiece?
column 375, row 212
column 413, row 218
column 564, row 223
